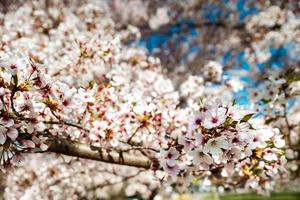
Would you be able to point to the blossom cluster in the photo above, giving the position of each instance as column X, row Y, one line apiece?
column 95, row 114
column 217, row 134
column 71, row 178
column 276, row 97
column 23, row 91
column 220, row 136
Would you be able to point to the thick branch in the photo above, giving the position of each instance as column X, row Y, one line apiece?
column 65, row 147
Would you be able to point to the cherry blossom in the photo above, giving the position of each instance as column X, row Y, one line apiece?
column 214, row 117
column 200, row 158
column 215, row 145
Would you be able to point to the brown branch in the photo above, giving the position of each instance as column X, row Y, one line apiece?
column 76, row 149
column 289, row 127
column 135, row 132
column 61, row 122
column 108, row 183
column 145, row 30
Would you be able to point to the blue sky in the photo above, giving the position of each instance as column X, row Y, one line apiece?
column 213, row 13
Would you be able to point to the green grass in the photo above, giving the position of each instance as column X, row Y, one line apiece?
column 276, row 196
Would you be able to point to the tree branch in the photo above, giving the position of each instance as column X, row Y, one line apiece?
column 76, row 149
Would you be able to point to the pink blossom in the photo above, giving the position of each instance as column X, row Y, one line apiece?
column 6, row 121
column 86, row 95
column 215, row 146
column 171, row 167
column 187, row 142
column 201, row 158
column 214, row 117
column 10, row 132
column 170, row 154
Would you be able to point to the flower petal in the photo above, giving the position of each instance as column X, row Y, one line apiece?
column 12, row 133
column 2, row 138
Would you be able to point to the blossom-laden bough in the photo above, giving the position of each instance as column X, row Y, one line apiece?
column 97, row 122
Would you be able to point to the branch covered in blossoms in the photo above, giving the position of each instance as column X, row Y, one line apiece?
column 41, row 114
column 110, row 156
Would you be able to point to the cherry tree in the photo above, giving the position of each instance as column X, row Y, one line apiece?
column 88, row 112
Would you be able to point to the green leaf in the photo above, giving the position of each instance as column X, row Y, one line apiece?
column 234, row 102
column 230, row 122
column 292, row 76
column 268, row 121
column 91, row 84
column 247, row 117
column 14, row 80
column 265, row 101
column 293, row 79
